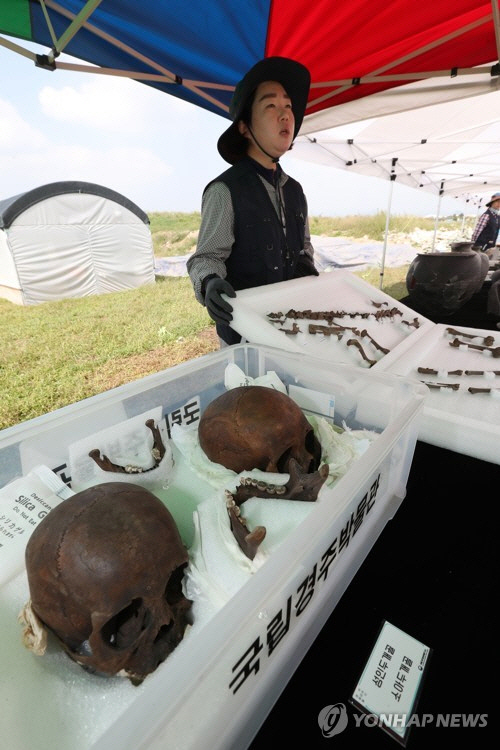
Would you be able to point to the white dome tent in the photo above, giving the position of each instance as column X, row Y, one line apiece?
column 72, row 239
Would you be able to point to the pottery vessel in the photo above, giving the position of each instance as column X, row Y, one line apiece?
column 441, row 283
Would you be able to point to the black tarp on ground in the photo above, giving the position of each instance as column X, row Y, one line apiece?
column 433, row 573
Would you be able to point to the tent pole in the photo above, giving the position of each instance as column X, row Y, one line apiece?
column 387, row 220
column 463, row 218
column 441, row 191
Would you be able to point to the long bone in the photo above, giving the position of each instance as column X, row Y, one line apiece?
column 353, row 342
column 452, row 386
column 487, row 340
column 431, row 371
column 483, row 390
column 482, row 372
column 427, row 371
column 364, row 333
column 495, row 351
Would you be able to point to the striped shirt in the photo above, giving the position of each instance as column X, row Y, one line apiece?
column 485, row 233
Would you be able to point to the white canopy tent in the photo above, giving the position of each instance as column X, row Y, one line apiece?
column 451, row 148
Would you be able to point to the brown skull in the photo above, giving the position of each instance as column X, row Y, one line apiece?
column 104, row 571
column 256, row 427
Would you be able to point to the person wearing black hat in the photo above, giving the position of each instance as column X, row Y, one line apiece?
column 484, row 236
column 254, row 226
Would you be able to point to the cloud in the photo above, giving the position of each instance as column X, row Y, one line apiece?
column 131, row 171
column 112, row 105
column 29, row 157
column 100, row 104
column 15, row 132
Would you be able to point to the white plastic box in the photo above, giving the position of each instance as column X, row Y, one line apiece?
column 217, row 687
column 361, row 309
column 454, row 417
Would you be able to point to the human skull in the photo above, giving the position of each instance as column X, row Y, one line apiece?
column 256, row 427
column 105, row 571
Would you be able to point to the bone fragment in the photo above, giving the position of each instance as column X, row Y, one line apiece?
column 415, row 323
column 353, row 342
column 452, row 386
column 387, row 313
column 291, row 331
column 326, row 330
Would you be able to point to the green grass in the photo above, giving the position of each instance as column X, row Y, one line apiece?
column 57, row 353
column 60, row 352
column 394, row 282
column 174, row 233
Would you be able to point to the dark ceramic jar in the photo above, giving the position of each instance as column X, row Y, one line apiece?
column 440, row 283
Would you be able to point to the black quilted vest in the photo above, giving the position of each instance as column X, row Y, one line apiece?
column 261, row 254
column 488, row 236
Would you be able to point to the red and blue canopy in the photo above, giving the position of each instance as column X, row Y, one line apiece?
column 198, row 49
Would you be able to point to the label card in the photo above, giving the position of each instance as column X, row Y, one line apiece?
column 317, row 402
column 390, row 684
column 23, row 504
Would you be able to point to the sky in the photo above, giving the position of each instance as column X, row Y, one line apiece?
column 155, row 149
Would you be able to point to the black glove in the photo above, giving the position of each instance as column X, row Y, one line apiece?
column 219, row 309
column 305, row 267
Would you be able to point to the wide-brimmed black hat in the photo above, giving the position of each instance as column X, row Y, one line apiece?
column 494, row 197
column 295, row 79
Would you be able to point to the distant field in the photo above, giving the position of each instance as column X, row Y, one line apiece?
column 175, row 234
column 58, row 353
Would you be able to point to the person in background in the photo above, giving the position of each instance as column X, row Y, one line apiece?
column 484, row 236
column 254, row 225
column 493, row 299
